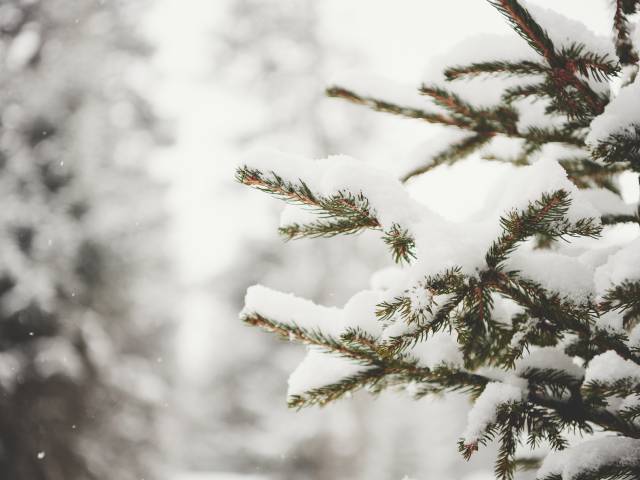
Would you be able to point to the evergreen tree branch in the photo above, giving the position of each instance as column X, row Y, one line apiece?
column 320, row 228
column 622, row 146
column 575, row 411
column 486, row 123
column 452, row 102
column 564, row 64
column 401, row 243
column 524, row 67
column 452, row 154
column 585, row 173
column 519, row 92
column 624, row 47
column 451, row 281
column 382, row 369
column 441, row 319
column 544, row 216
column 589, row 64
column 611, row 471
column 622, row 297
column 596, row 391
column 389, row 107
column 524, row 24
column 542, row 135
column 557, row 382
column 373, row 378
column 612, row 219
column 344, row 212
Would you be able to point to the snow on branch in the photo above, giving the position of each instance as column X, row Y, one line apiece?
column 484, row 412
column 624, row 46
column 608, row 374
column 347, row 196
column 615, row 134
column 609, row 457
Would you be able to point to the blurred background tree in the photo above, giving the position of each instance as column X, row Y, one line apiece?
column 81, row 327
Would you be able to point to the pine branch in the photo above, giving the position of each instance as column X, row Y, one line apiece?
column 622, row 297
column 320, row 228
column 585, row 173
column 562, row 81
column 389, row 107
column 382, row 370
column 630, row 414
column 524, row 67
column 524, row 24
column 445, row 379
column 545, row 216
column 556, row 382
column 486, row 123
column 374, row 379
column 441, row 319
column 343, row 212
column 573, row 96
column 501, row 119
column 596, row 392
column 513, row 419
column 623, row 146
column 575, row 411
column 594, row 341
column 542, row 135
column 451, row 281
column 519, row 92
column 612, row 219
column 589, row 64
column 401, row 243
column 290, row 332
column 452, row 102
column 345, row 206
column 452, row 154
column 624, row 47
column 554, row 313
column 611, row 472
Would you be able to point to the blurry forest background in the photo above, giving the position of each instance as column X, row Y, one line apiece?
column 127, row 246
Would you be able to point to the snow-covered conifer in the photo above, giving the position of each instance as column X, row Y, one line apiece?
column 531, row 307
column 79, row 391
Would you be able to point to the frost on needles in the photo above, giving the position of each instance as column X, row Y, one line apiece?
column 531, row 308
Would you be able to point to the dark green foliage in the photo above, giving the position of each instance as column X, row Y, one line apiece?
column 589, row 64
column 525, row 67
column 452, row 154
column 388, row 107
column 340, row 213
column 546, row 216
column 621, row 147
column 526, row 27
column 586, row 173
column 624, row 48
column 624, row 297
